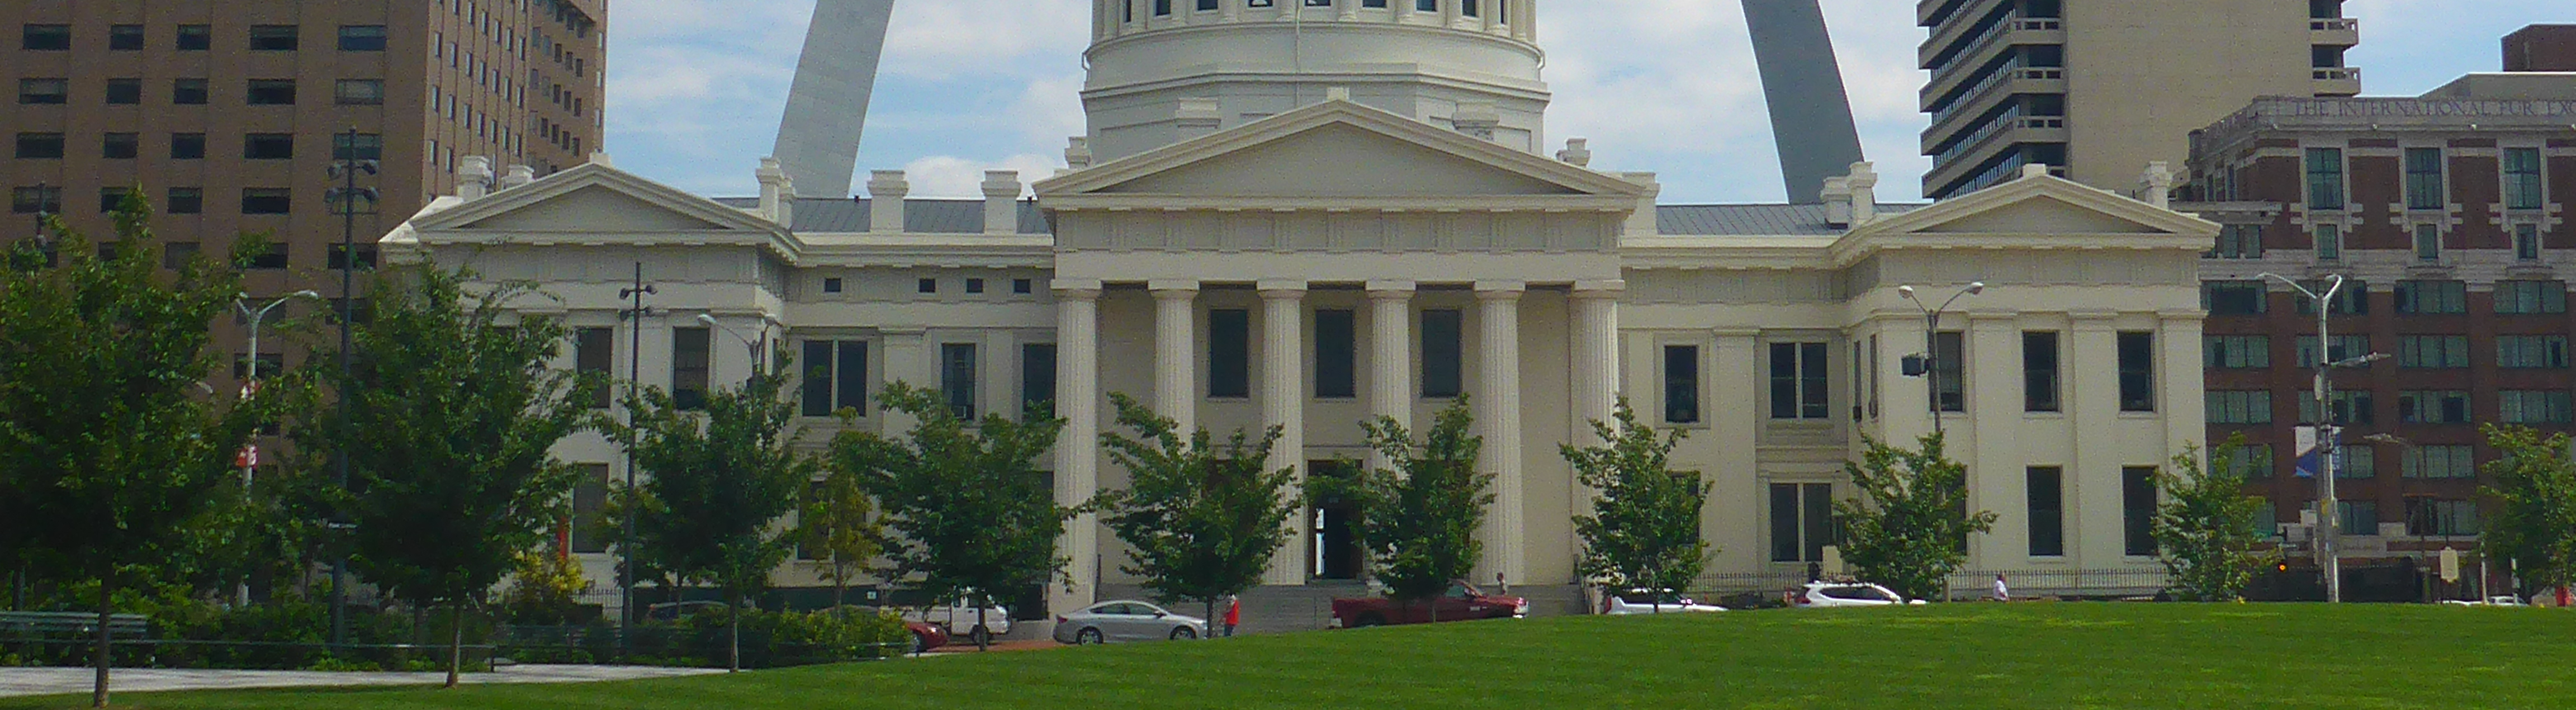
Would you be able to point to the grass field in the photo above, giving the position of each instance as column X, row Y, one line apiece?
column 1977, row 656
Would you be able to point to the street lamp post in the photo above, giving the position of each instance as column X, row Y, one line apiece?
column 250, row 384
column 2329, row 518
column 345, row 167
column 634, row 317
column 758, row 366
column 1931, row 348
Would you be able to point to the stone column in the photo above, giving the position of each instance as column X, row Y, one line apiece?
column 1498, row 410
column 1077, row 451
column 1595, row 365
column 1283, row 405
column 1176, row 379
column 1391, row 389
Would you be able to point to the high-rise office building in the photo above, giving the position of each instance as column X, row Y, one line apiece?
column 2096, row 89
column 228, row 113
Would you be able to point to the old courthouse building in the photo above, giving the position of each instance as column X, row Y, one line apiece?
column 1310, row 214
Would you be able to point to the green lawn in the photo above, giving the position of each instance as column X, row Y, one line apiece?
column 1975, row 656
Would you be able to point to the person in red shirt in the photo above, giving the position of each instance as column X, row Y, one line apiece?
column 1233, row 614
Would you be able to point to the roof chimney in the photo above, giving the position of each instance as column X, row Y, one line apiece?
column 2155, row 186
column 473, row 177
column 1644, row 221
column 518, row 176
column 777, row 192
column 1578, row 152
column 1001, row 202
column 1077, row 152
column 886, row 189
column 1863, row 183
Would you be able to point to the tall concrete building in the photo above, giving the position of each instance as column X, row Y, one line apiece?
column 2096, row 89
column 228, row 113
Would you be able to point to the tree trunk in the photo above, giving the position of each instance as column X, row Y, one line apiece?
column 733, row 660
column 983, row 641
column 455, row 643
column 102, row 657
column 840, row 585
column 1213, row 622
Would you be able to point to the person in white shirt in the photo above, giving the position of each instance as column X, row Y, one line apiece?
column 2002, row 593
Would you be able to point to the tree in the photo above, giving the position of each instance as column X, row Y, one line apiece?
column 1418, row 522
column 1909, row 529
column 839, row 523
column 1203, row 518
column 110, row 451
column 967, row 514
column 2204, row 531
column 719, row 482
column 1643, row 532
column 451, row 415
column 2534, row 523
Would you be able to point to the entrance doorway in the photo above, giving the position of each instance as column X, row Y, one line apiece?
column 1335, row 544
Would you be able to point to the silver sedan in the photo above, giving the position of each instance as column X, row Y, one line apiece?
column 1126, row 621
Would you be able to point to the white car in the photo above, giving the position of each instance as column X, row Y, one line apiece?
column 1843, row 594
column 2499, row 600
column 1121, row 621
column 959, row 618
column 1641, row 601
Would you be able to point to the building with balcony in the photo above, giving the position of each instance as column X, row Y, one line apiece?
column 2097, row 89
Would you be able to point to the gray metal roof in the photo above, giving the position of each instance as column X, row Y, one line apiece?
column 1752, row 220
column 827, row 215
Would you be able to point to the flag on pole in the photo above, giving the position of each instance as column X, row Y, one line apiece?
column 2311, row 452
column 248, row 458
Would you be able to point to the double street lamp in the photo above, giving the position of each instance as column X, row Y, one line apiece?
column 250, row 384
column 2329, row 515
column 1931, row 368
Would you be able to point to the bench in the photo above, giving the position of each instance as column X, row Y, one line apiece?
column 25, row 624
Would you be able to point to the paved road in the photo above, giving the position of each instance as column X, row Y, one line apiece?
column 57, row 681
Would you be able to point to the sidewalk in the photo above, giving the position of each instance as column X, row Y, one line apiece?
column 63, row 681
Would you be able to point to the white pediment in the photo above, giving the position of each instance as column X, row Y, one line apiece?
column 595, row 209
column 2042, row 205
column 2041, row 215
column 594, row 199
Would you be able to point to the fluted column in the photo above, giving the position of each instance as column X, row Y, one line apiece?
column 1176, row 362
column 1594, row 367
column 1498, row 410
column 1077, row 450
column 1390, row 355
column 1283, row 405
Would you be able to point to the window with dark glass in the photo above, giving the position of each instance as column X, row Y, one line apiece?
column 336, row 258
column 266, row 200
column 2432, row 297
column 2325, row 178
column 2531, row 352
column 187, row 146
column 362, row 38
column 957, row 378
column 176, row 255
column 2433, row 407
column 2522, row 181
column 2138, row 509
column 358, row 146
column 2039, row 372
column 2352, row 299
column 272, row 38
column 1229, row 353
column 1023, row 286
column 110, row 197
column 589, row 534
column 1336, row 354
column 40, row 145
column 2329, row 242
column 186, row 200
column 271, row 92
column 1798, row 381
column 927, row 286
column 2424, row 179
column 42, row 92
column 2232, row 298
column 2428, row 242
column 689, row 365
column 358, row 92
column 124, row 92
column 195, row 38
column 2432, row 351
column 2526, row 242
column 2528, row 297
column 2535, row 407
column 2236, row 352
column 1681, row 384
column 1162, row 8
column 45, row 38
column 125, row 38
column 594, row 352
column 1443, row 368
column 271, row 256
column 188, row 92
column 2428, row 516
column 1950, row 371
column 268, row 146
column 974, row 285
column 2137, row 355
column 1802, row 521
column 2044, row 488
column 31, row 200
column 1037, row 379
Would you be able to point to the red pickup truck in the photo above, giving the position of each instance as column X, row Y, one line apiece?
column 1463, row 602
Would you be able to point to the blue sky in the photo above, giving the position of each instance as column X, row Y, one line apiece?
column 696, row 86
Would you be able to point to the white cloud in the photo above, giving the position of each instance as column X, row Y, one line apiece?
column 957, row 177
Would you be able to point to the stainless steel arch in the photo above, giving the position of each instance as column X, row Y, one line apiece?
column 827, row 106
column 1811, row 116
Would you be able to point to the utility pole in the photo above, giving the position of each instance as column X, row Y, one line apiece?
column 634, row 316
column 249, row 457
column 2329, row 537
column 1931, row 345
column 345, row 166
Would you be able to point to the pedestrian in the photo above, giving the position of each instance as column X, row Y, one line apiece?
column 1233, row 613
column 2002, row 593
column 1815, row 573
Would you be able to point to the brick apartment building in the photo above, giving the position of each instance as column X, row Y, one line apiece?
column 228, row 114
column 2447, row 213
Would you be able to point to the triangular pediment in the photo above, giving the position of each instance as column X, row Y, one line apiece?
column 2040, row 215
column 596, row 209
column 1338, row 150
column 594, row 199
column 2043, row 205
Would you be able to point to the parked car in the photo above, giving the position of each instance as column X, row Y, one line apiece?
column 1647, row 601
column 2498, row 600
column 672, row 612
column 1845, row 594
column 1126, row 621
column 1463, row 602
column 925, row 635
column 960, row 620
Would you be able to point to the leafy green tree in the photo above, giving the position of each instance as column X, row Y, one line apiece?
column 1643, row 532
column 2204, row 531
column 2534, row 521
column 720, row 479
column 452, row 411
column 967, row 514
column 1204, row 518
column 110, row 448
column 838, row 523
column 1909, row 529
column 1418, row 522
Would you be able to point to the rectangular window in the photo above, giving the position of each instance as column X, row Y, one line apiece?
column 2428, row 243
column 272, row 38
column 2349, row 407
column 2536, row 407
column 2433, row 407
column 2329, row 242
column 109, row 198
column 2358, row 517
column 1442, row 369
column 1802, row 521
column 1037, row 380
column 187, row 146
column 31, row 200
column 689, row 363
column 186, row 200
column 814, row 388
column 927, row 286
column 1950, row 371
column 2352, row 299
column 589, row 501
column 2253, row 462
column 124, row 92
column 2531, row 352
column 2343, row 347
column 2424, row 179
column 357, row 146
column 362, row 38
column 1023, row 286
column 358, row 92
column 2138, row 510
column 337, row 258
column 957, row 378
column 2236, row 352
column 44, row 91
column 850, row 377
column 2522, row 185
column 1681, row 384
column 974, row 285
column 2232, row 298
column 1229, row 353
column 1336, row 354
column 594, row 352
column 2325, row 178
column 2039, row 372
column 176, row 255
column 188, row 92
column 2427, row 297
column 2044, row 488
column 2530, row 297
column 274, row 257
column 2137, row 372
column 268, row 146
column 45, row 38
column 195, row 38
column 2427, row 517
column 2239, row 407
column 2441, row 461
column 125, row 38
column 271, row 92
column 2433, row 351
column 2526, row 242
column 266, row 200
column 40, row 145
column 1798, row 381
column 1162, row 8
column 2239, row 241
